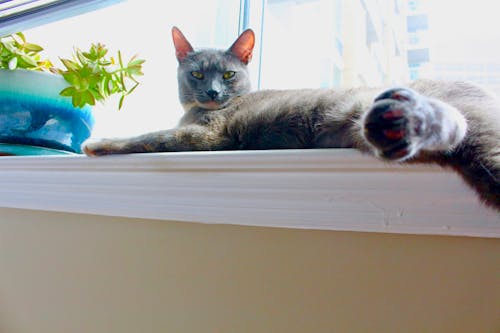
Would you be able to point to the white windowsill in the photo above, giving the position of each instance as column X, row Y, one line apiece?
column 331, row 189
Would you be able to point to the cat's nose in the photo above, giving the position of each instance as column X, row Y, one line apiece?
column 212, row 93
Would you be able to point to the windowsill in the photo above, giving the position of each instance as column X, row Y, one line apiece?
column 337, row 189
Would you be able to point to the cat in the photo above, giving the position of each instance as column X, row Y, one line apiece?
column 452, row 124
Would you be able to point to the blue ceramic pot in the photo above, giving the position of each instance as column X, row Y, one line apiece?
column 33, row 113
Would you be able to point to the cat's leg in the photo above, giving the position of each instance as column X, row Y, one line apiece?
column 187, row 138
column 402, row 123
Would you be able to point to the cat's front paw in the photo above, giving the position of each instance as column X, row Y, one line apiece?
column 97, row 147
column 402, row 122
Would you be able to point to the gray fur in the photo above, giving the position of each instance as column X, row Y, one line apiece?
column 213, row 64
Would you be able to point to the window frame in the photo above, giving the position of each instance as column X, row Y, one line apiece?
column 47, row 13
column 325, row 189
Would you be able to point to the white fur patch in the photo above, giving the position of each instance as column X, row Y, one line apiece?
column 450, row 127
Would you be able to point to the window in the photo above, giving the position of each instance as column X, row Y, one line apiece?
column 289, row 39
column 300, row 44
column 417, row 22
column 414, row 39
column 145, row 30
column 418, row 56
column 413, row 5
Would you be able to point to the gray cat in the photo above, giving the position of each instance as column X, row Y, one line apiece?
column 453, row 124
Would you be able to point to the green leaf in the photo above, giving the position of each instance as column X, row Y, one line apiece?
column 87, row 98
column 120, row 104
column 70, row 64
column 69, row 91
column 94, row 79
column 32, row 47
column 105, row 63
column 101, row 90
column 45, row 64
column 10, row 46
column 84, row 84
column 18, row 39
column 72, row 78
column 122, row 81
column 120, row 59
column 135, row 70
column 77, row 99
column 97, row 93
column 102, row 51
column 21, row 36
column 81, row 57
column 136, row 62
column 133, row 88
column 108, row 86
column 87, row 55
column 28, row 60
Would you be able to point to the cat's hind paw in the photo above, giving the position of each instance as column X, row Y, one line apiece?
column 402, row 122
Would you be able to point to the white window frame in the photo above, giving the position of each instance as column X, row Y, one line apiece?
column 326, row 189
column 17, row 15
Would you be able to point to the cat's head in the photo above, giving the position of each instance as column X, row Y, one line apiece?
column 210, row 78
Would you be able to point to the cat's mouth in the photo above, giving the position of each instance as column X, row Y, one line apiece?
column 212, row 105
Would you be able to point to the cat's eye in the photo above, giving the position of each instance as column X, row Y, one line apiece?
column 228, row 75
column 197, row 75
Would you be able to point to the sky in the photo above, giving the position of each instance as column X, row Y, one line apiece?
column 464, row 30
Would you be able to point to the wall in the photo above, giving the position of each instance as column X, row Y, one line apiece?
column 81, row 273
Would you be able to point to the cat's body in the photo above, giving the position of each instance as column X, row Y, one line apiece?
column 451, row 124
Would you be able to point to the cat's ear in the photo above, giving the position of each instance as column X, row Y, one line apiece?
column 182, row 46
column 242, row 48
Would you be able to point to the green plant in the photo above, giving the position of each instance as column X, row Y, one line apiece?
column 91, row 75
column 16, row 52
column 94, row 77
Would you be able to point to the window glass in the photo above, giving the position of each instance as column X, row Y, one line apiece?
column 135, row 28
column 464, row 41
column 317, row 43
column 300, row 44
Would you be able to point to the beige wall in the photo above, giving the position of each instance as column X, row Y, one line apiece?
column 76, row 273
